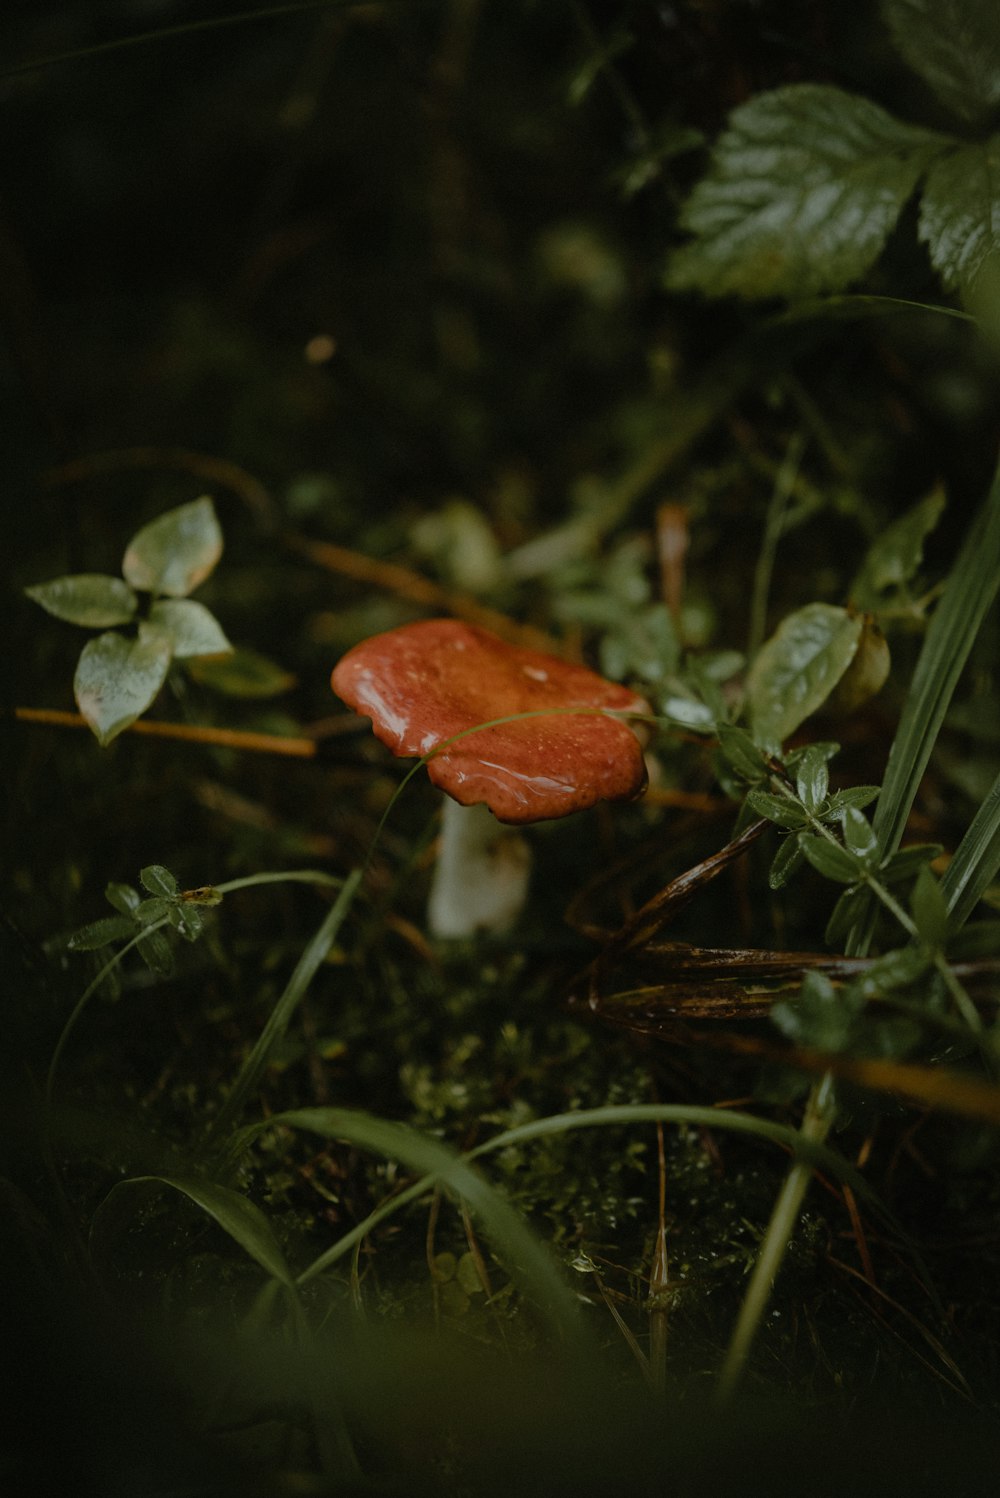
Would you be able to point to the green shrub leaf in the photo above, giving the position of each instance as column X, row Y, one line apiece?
column 830, row 859
column 117, row 679
column 741, row 753
column 787, row 859
column 812, row 778
column 798, row 667
column 175, row 552
column 955, row 46
column 777, row 810
column 895, row 555
column 960, row 210
column 86, row 598
column 243, row 673
column 803, row 189
column 189, row 627
column 859, row 834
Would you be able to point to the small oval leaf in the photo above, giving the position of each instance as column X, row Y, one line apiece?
column 158, row 880
column 175, row 552
column 798, row 667
column 190, row 628
column 86, row 598
column 117, row 679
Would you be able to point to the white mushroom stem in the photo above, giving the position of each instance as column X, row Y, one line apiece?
column 481, row 876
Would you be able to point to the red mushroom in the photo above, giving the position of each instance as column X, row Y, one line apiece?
column 426, row 682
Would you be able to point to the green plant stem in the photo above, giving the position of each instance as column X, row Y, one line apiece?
column 780, row 494
column 819, row 1117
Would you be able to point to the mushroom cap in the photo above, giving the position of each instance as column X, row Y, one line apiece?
column 425, row 682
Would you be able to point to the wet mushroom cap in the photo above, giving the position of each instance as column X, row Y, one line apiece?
column 425, row 682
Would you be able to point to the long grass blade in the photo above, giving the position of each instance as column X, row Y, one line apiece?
column 976, row 861
column 968, row 594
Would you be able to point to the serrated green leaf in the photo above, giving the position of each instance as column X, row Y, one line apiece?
column 158, row 880
column 908, row 861
column 798, row 667
column 859, row 835
column 175, row 552
column 777, row 810
column 86, row 598
column 788, row 858
column 191, row 629
column 929, row 909
column 741, row 753
column 855, row 795
column 812, row 778
column 955, row 46
column 897, row 552
column 830, row 859
column 243, row 673
column 155, row 951
column 117, row 679
column 802, row 192
column 960, row 210
column 122, row 896
column 101, row 933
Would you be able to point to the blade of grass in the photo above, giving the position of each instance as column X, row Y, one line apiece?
column 305, row 970
column 976, row 861
column 970, row 590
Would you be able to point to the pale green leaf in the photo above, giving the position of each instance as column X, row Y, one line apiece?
column 117, row 679
column 955, row 46
column 897, row 552
column 158, row 880
column 803, row 189
column 798, row 667
column 190, row 628
column 86, row 598
column 243, row 673
column 960, row 212
column 175, row 552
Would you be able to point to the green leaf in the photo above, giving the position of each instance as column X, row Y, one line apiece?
column 820, row 1015
column 190, row 628
column 175, row 552
column 798, row 667
column 154, row 949
column 896, row 554
column 960, row 210
column 855, row 795
column 954, row 625
column 243, row 673
column 101, row 933
column 86, row 598
column 929, row 909
column 236, row 1215
column 158, row 880
column 187, row 919
column 148, row 912
column 955, row 46
column 787, row 859
column 803, row 189
column 777, row 810
column 976, row 860
column 846, row 911
column 117, row 679
column 122, row 896
column 901, row 968
column 906, row 862
column 859, row 835
column 812, row 778
column 741, row 753
column 821, row 748
column 830, row 859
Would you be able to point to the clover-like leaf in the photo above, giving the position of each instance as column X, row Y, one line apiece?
column 158, row 880
column 89, row 599
column 117, row 679
column 802, row 192
column 101, row 933
column 798, row 667
column 175, row 552
column 189, row 626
